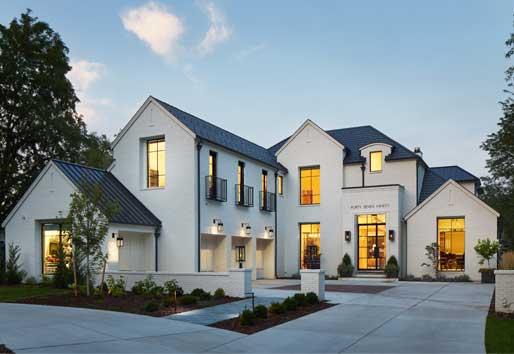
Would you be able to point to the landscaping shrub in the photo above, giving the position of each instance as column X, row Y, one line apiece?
column 144, row 287
column 14, row 273
column 301, row 299
column 461, row 278
column 247, row 318
column 261, row 311
column 219, row 293
column 30, row 281
column 116, row 287
column 63, row 276
column 151, row 306
column 507, row 261
column 46, row 280
column 157, row 291
column 201, row 294
column 345, row 268
column 187, row 300
column 392, row 269
column 167, row 302
column 289, row 304
column 408, row 277
column 312, row 298
column 276, row 308
column 171, row 286
column 427, row 277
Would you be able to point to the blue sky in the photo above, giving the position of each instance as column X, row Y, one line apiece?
column 428, row 74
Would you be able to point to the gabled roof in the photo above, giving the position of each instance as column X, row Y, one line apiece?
column 222, row 137
column 130, row 209
column 440, row 189
column 353, row 139
column 437, row 176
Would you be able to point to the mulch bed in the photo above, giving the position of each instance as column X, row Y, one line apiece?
column 128, row 303
column 502, row 315
column 5, row 350
column 367, row 289
column 272, row 320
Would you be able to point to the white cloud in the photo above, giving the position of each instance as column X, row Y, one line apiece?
column 190, row 75
column 218, row 30
column 156, row 26
column 84, row 73
column 246, row 52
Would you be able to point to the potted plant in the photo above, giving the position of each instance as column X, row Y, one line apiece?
column 392, row 269
column 487, row 249
column 345, row 268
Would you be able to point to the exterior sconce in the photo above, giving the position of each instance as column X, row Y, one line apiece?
column 347, row 236
column 269, row 231
column 248, row 229
column 119, row 242
column 391, row 235
column 219, row 225
column 113, row 235
column 240, row 255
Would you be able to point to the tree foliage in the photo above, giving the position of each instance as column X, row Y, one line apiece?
column 14, row 273
column 487, row 249
column 38, row 119
column 499, row 186
column 89, row 226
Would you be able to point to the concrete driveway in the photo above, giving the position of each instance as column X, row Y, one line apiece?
column 409, row 318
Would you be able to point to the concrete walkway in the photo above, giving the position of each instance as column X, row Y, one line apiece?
column 409, row 318
column 218, row 313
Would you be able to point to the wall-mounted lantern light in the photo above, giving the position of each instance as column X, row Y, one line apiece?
column 247, row 228
column 269, row 231
column 218, row 225
column 240, row 255
column 119, row 242
column 347, row 236
column 391, row 235
column 113, row 235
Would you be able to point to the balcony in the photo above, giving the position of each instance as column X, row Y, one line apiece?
column 216, row 188
column 267, row 201
column 244, row 195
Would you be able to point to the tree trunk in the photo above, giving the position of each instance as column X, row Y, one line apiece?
column 75, row 273
column 103, row 275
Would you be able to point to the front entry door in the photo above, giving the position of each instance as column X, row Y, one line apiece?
column 372, row 237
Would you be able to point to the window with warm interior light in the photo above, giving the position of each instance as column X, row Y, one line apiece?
column 53, row 237
column 309, row 185
column 310, row 246
column 280, row 185
column 156, row 163
column 375, row 164
column 450, row 239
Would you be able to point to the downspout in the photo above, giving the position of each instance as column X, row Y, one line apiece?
column 363, row 169
column 157, row 234
column 276, row 231
column 198, row 211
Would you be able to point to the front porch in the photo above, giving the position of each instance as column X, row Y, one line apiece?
column 131, row 248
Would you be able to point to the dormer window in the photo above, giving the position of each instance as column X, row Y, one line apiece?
column 375, row 161
column 156, row 163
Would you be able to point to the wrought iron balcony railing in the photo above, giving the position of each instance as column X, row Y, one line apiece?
column 244, row 195
column 267, row 201
column 216, row 188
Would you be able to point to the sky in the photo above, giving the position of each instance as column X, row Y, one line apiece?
column 427, row 74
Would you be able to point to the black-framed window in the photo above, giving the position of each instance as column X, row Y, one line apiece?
column 280, row 185
column 310, row 185
column 213, row 163
column 240, row 182
column 264, row 188
column 310, row 246
column 375, row 161
column 156, row 163
column 53, row 237
column 451, row 240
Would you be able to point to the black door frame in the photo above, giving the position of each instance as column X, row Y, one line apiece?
column 376, row 237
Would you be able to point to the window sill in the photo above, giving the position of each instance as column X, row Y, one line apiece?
column 152, row 188
column 309, row 205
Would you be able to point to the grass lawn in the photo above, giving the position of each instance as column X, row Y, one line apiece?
column 17, row 292
column 499, row 335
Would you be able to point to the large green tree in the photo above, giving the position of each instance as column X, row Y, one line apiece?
column 38, row 119
column 499, row 186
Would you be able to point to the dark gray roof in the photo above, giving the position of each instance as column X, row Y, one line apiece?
column 223, row 138
column 130, row 209
column 435, row 177
column 357, row 137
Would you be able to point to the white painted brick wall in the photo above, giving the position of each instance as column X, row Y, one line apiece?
column 504, row 298
column 235, row 282
column 313, row 280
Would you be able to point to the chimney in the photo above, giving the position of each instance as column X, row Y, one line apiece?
column 417, row 151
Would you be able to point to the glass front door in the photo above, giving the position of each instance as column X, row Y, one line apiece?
column 372, row 236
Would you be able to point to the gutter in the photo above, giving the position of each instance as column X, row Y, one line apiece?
column 157, row 234
column 276, row 217
column 198, row 149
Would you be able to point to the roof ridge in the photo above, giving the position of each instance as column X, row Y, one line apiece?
column 454, row 166
column 354, row 127
column 81, row 165
column 209, row 123
column 388, row 137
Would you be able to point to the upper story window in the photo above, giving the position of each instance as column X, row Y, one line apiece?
column 156, row 163
column 240, row 182
column 213, row 163
column 309, row 185
column 264, row 181
column 280, row 185
column 375, row 158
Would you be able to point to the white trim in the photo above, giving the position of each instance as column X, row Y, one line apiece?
column 136, row 116
column 371, row 144
column 440, row 189
column 31, row 188
column 309, row 122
